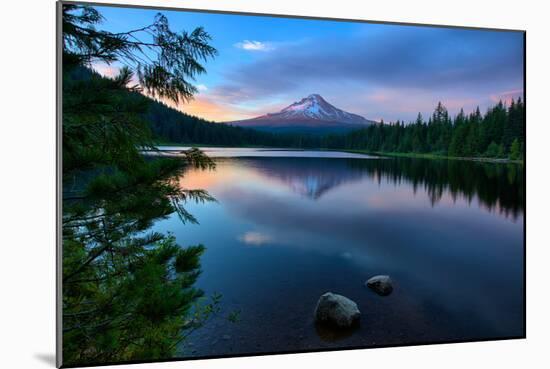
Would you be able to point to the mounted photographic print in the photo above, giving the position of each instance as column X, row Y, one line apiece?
column 239, row 184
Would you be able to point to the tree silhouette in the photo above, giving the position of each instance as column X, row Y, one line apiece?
column 128, row 292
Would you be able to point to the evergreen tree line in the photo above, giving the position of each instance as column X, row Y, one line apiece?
column 499, row 133
column 168, row 125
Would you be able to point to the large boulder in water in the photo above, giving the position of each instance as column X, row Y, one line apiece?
column 336, row 310
column 381, row 284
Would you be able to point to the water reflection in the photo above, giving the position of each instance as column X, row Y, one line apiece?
column 311, row 178
column 290, row 229
column 329, row 334
column 238, row 152
column 496, row 186
column 255, row 238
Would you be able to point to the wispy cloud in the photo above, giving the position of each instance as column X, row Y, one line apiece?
column 254, row 45
column 507, row 96
column 201, row 87
column 439, row 64
column 395, row 59
column 106, row 70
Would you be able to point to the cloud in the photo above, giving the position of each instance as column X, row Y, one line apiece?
column 507, row 96
column 254, row 45
column 201, row 87
column 389, row 72
column 405, row 103
column 207, row 108
column 106, row 70
column 112, row 71
column 255, row 238
column 440, row 63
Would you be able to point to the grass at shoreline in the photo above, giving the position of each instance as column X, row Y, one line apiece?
column 366, row 152
column 435, row 156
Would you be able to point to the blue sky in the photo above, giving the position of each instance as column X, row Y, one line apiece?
column 379, row 71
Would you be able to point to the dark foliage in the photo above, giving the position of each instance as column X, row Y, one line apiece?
column 496, row 186
column 491, row 135
column 475, row 135
column 128, row 293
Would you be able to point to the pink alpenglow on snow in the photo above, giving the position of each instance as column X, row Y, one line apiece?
column 311, row 112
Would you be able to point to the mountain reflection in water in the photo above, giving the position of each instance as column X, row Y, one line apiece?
column 307, row 177
column 496, row 186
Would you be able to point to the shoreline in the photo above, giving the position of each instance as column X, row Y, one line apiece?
column 366, row 152
column 439, row 157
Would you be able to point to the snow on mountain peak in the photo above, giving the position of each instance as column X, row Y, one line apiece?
column 315, row 96
column 315, row 107
column 311, row 111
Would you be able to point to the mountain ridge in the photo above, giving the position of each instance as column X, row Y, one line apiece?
column 310, row 113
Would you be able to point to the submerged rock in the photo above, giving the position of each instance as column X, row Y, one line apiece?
column 381, row 284
column 336, row 310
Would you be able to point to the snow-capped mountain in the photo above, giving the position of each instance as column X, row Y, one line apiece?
column 310, row 113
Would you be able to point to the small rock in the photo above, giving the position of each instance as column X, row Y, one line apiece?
column 336, row 310
column 381, row 284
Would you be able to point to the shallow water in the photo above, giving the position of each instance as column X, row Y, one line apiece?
column 287, row 229
column 244, row 152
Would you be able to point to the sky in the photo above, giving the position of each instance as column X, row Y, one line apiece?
column 379, row 71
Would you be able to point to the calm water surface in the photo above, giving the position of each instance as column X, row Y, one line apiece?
column 289, row 226
column 238, row 152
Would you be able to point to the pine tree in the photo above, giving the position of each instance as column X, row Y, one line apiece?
column 128, row 293
column 515, row 153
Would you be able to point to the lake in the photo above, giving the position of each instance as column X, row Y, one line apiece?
column 291, row 225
